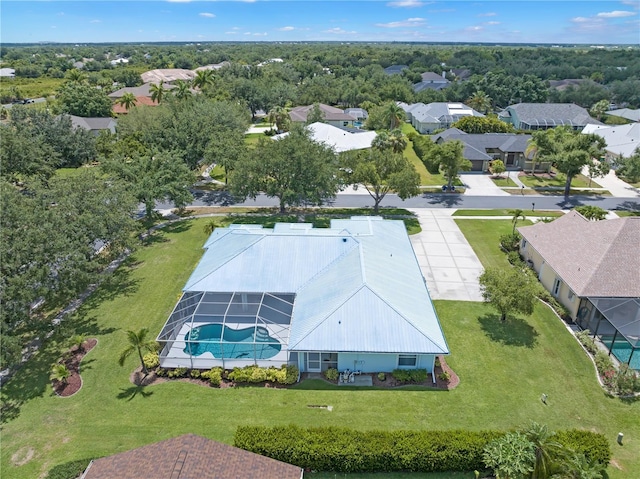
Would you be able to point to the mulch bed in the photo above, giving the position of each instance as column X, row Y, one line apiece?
column 72, row 361
column 453, row 382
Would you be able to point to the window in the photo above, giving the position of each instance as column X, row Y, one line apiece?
column 407, row 360
column 556, row 287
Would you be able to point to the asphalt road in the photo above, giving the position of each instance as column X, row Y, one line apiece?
column 35, row 100
column 525, row 203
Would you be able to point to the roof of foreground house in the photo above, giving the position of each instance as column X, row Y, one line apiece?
column 337, row 138
column 477, row 146
column 549, row 114
column 594, row 258
column 358, row 286
column 622, row 140
column 188, row 457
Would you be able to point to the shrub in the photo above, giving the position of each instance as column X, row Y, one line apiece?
column 626, row 380
column 151, row 360
column 215, row 376
column 68, row 470
column 195, row 373
column 258, row 375
column 382, row 377
column 510, row 242
column 514, row 258
column 587, row 341
column 178, row 373
column 410, row 375
column 437, row 362
column 445, row 376
column 603, row 362
column 593, row 446
column 291, row 375
column 331, row 374
column 161, row 372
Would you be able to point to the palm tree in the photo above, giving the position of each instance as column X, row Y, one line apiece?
column 60, row 373
column 203, row 79
column 480, row 101
column 393, row 114
column 157, row 92
column 77, row 341
column 138, row 342
column 75, row 76
column 183, row 90
column 210, row 226
column 515, row 215
column 128, row 101
column 546, row 449
column 390, row 140
column 579, row 467
column 279, row 116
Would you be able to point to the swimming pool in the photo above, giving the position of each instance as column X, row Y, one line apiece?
column 224, row 342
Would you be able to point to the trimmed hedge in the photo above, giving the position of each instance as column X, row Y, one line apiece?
column 68, row 470
column 346, row 450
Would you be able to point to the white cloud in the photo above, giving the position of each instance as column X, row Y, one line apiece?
column 405, row 3
column 474, row 28
column 285, row 29
column 260, row 34
column 616, row 14
column 339, row 31
column 409, row 22
column 207, row 15
column 492, row 23
column 488, row 14
column 579, row 19
column 95, row 21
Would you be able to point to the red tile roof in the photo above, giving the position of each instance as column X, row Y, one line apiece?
column 189, row 457
column 140, row 101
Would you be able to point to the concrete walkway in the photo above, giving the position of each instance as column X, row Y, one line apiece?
column 480, row 185
column 615, row 185
column 449, row 264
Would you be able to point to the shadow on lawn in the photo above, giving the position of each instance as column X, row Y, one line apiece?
column 131, row 392
column 512, row 332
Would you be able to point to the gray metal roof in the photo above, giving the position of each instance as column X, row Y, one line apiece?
column 550, row 114
column 358, row 284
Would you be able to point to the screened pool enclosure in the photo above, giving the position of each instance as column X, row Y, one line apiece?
column 616, row 323
column 233, row 329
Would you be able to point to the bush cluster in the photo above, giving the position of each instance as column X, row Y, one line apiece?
column 331, row 374
column 287, row 374
column 510, row 242
column 410, row 375
column 68, row 469
column 345, row 450
column 587, row 340
column 151, row 360
column 214, row 375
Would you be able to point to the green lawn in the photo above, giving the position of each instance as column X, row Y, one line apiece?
column 503, row 181
column 484, row 235
column 504, row 368
column 508, row 212
column 627, row 213
column 539, row 181
column 426, row 178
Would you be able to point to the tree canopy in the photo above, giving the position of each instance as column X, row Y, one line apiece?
column 82, row 99
column 509, row 290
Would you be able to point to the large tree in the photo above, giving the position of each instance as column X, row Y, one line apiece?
column 380, row 172
column 154, row 177
column 569, row 151
column 482, row 124
column 629, row 168
column 226, row 148
column 451, row 159
column 295, row 169
column 509, row 290
column 81, row 99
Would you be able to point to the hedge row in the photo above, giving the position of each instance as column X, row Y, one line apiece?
column 346, row 450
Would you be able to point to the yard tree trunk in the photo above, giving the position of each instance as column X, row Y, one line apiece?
column 567, row 186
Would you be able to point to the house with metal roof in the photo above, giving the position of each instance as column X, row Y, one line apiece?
column 437, row 115
column 395, row 69
column 593, row 269
column 622, row 140
column 338, row 138
column 542, row 116
column 482, row 149
column 626, row 113
column 351, row 296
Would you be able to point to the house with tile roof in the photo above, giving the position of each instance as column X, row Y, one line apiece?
column 482, row 149
column 436, row 116
column 188, row 457
column 351, row 296
column 542, row 116
column 167, row 75
column 119, row 109
column 593, row 269
column 332, row 115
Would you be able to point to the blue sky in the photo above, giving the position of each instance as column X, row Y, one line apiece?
column 505, row 21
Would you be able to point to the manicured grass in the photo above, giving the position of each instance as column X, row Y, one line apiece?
column 558, row 180
column 504, row 368
column 484, row 235
column 627, row 213
column 503, row 181
column 426, row 178
column 507, row 212
column 251, row 139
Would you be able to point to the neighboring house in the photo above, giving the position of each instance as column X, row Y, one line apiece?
column 593, row 269
column 213, row 66
column 167, row 75
column 95, row 125
column 482, row 149
column 7, row 73
column 142, row 90
column 562, row 85
column 358, row 114
column 627, row 113
column 189, row 457
column 332, row 116
column 431, row 81
column 337, row 138
column 436, row 116
column 622, row 140
column 78, row 65
column 119, row 109
column 395, row 69
column 542, row 116
column 461, row 74
column 351, row 296
column 119, row 61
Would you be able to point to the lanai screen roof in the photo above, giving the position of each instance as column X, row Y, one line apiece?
column 357, row 285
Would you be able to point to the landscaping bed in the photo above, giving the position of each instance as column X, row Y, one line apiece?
column 72, row 360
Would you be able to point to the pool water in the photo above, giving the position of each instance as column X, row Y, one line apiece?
column 224, row 342
column 622, row 351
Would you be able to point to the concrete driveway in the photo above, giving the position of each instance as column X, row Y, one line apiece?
column 449, row 264
column 479, row 184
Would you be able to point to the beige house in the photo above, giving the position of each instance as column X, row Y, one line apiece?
column 593, row 269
